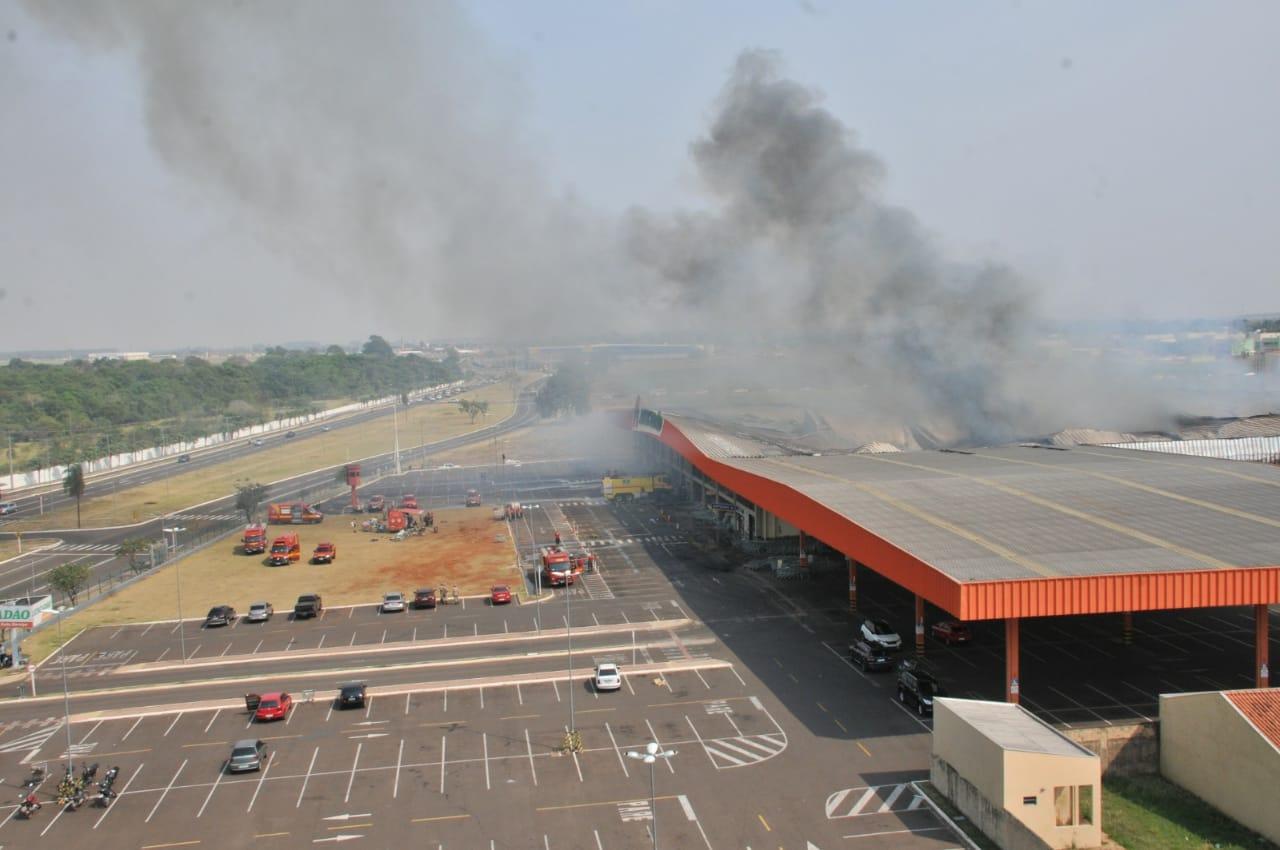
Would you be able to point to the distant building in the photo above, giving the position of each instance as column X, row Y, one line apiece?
column 121, row 355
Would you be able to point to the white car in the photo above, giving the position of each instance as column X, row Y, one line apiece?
column 392, row 602
column 880, row 633
column 448, row 466
column 7, row 508
column 608, row 677
column 259, row 612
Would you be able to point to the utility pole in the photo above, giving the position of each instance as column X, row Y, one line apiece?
column 395, row 425
column 10, row 463
column 573, row 740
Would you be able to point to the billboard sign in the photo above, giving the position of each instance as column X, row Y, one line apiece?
column 23, row 613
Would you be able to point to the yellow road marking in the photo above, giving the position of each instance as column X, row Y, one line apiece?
column 841, row 725
column 821, row 706
column 174, row 844
column 793, row 678
column 601, row 803
column 446, row 723
column 348, row 826
column 207, row 744
column 279, row 737
column 776, row 661
column 439, row 817
column 864, row 749
column 765, row 822
column 594, row 710
column 122, row 753
column 518, row 716
column 270, row 834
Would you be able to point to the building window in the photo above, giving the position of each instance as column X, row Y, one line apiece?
column 1028, row 801
column 1064, row 805
column 1085, row 793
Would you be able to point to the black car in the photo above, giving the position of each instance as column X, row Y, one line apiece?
column 289, row 435
column 351, row 695
column 184, row 458
column 918, row 688
column 308, row 605
column 870, row 656
column 220, row 615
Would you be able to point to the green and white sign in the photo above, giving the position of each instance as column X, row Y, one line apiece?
column 24, row 615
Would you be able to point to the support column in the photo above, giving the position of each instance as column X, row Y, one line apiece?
column 1012, row 687
column 1261, row 649
column 1126, row 631
column 919, row 626
column 853, row 585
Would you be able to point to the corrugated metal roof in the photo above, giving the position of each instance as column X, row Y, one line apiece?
column 1262, row 708
column 1012, row 727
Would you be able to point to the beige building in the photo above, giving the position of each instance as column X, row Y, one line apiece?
column 1025, row 785
column 1224, row 747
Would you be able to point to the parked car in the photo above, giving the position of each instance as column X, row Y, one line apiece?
column 499, row 594
column 424, row 597
column 351, row 695
column 608, row 677
column 448, row 466
column 376, row 504
column 952, row 632
column 408, row 500
column 246, row 755
column 257, row 442
column 308, row 605
column 184, row 458
column 917, row 687
column 220, row 615
column 879, row 632
column 7, row 508
column 392, row 602
column 259, row 612
column 473, row 498
column 325, row 553
column 289, row 435
column 870, row 656
column 273, row 707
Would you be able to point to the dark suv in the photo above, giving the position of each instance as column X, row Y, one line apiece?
column 424, row 598
column 918, row 688
column 220, row 615
column 870, row 656
column 309, row 605
column 351, row 695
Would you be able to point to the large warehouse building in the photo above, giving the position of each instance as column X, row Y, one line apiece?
column 1006, row 533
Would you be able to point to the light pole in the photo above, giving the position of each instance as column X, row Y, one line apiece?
column 177, row 568
column 66, row 698
column 568, row 628
column 652, row 752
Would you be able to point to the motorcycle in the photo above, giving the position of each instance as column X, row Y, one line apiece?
column 29, row 805
column 37, row 777
column 88, row 772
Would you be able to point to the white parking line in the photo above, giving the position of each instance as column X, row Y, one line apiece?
column 407, row 699
column 147, row 629
column 395, row 789
column 209, row 796
column 482, row 697
column 194, row 651
column 328, row 713
column 131, row 728
column 163, row 654
column 259, row 646
column 225, row 651
column 576, row 763
column 261, row 778
column 444, row 743
column 123, row 791
column 176, row 718
column 321, row 643
column 351, row 781
column 529, row 746
column 353, row 639
column 307, row 778
column 704, row 681
column 519, row 696
column 165, row 793
column 614, row 741
column 484, row 740
column 557, row 689
column 415, row 633
column 211, row 719
column 738, row 677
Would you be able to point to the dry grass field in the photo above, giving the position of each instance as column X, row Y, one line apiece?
column 419, row 424
column 471, row 551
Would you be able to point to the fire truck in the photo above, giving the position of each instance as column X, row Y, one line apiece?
column 255, row 539
column 293, row 513
column 626, row 489
column 557, row 569
column 284, row 550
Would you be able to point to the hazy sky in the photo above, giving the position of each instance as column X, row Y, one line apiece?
column 1123, row 157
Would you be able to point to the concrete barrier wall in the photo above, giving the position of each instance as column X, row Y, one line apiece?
column 996, row 823
column 1129, row 749
column 55, row 474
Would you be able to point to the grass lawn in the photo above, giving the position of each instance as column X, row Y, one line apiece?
column 1150, row 813
column 419, row 424
column 471, row 551
column 9, row 548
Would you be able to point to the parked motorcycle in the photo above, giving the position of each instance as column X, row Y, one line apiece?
column 30, row 804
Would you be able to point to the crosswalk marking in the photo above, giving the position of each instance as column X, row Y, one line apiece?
column 32, row 740
column 211, row 517
column 595, row 586
column 891, row 798
column 103, row 548
column 744, row 750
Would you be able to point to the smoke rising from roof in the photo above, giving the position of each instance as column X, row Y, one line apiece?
column 379, row 145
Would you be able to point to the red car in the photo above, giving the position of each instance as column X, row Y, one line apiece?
column 325, row 553
column 274, row 707
column 952, row 632
column 500, row 594
column 409, row 500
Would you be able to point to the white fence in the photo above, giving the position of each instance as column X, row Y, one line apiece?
column 125, row 459
column 1257, row 449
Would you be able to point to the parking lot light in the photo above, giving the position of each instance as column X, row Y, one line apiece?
column 177, row 567
column 652, row 752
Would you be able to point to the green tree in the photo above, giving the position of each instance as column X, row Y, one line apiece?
column 377, row 347
column 70, row 579
column 567, row 391
column 134, row 548
column 249, row 494
column 73, row 485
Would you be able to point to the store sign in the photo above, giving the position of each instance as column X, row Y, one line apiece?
column 23, row 616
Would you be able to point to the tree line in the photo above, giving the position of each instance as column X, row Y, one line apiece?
column 87, row 409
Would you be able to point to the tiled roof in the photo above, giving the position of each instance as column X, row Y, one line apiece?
column 1262, row 708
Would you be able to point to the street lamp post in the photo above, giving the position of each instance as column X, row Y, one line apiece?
column 652, row 752
column 177, row 568
column 66, row 697
column 568, row 628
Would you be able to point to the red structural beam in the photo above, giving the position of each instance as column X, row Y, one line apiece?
column 990, row 600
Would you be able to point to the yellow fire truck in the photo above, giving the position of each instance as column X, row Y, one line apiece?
column 636, row 487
